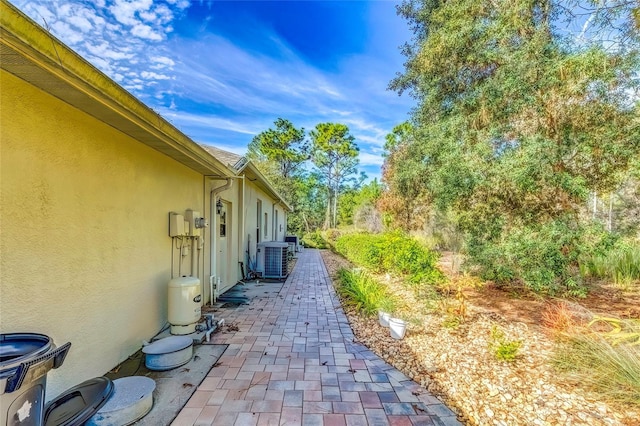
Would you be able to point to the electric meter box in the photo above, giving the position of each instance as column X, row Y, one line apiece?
column 193, row 218
column 176, row 225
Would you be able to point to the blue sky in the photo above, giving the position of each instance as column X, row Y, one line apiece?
column 223, row 71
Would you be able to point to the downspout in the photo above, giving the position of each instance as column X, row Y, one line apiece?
column 214, row 234
column 242, row 229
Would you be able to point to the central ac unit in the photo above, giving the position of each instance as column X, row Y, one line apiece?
column 272, row 259
column 293, row 242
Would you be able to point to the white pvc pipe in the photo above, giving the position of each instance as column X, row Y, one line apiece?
column 208, row 333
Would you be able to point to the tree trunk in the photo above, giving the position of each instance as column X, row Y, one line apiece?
column 335, row 209
column 610, row 212
column 306, row 223
column 327, row 216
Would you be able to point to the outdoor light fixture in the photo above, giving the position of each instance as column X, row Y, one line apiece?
column 219, row 206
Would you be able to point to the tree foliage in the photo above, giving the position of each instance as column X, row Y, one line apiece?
column 285, row 147
column 357, row 207
column 405, row 201
column 516, row 122
column 282, row 154
column 335, row 155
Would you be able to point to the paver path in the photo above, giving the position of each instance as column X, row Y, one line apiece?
column 293, row 362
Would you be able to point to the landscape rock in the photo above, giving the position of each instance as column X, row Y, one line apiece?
column 458, row 367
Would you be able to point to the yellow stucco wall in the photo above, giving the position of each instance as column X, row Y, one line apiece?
column 85, row 253
column 243, row 222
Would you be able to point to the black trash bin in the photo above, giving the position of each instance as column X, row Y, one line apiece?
column 25, row 360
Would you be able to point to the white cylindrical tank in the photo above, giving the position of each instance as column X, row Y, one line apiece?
column 184, row 304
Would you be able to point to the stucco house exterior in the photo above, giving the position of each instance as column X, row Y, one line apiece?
column 89, row 180
column 262, row 214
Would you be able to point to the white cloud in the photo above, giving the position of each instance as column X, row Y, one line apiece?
column 115, row 35
column 218, row 91
column 125, row 10
column 146, row 32
column 107, row 51
column 82, row 23
column 154, row 76
column 368, row 159
column 161, row 62
column 65, row 32
column 209, row 122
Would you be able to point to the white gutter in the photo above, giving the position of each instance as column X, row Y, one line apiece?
column 242, row 229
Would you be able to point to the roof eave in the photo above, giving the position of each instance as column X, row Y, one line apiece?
column 266, row 185
column 36, row 56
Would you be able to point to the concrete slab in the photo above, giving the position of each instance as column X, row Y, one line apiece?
column 173, row 387
column 291, row 360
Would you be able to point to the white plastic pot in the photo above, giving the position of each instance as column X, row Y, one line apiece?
column 397, row 327
column 383, row 318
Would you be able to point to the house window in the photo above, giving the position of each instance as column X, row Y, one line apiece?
column 266, row 225
column 275, row 229
column 258, row 220
column 223, row 223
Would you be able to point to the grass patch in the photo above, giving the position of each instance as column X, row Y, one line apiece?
column 362, row 292
column 604, row 356
column 314, row 240
column 613, row 371
column 621, row 264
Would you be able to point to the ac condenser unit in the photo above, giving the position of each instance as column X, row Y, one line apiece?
column 292, row 240
column 272, row 259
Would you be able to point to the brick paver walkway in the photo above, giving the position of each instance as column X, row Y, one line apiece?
column 293, row 362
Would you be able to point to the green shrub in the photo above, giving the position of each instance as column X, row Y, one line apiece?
column 331, row 236
column 503, row 349
column 544, row 258
column 391, row 252
column 361, row 291
column 314, row 240
column 361, row 249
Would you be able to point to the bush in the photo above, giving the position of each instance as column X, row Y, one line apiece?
column 314, row 240
column 331, row 236
column 503, row 349
column 544, row 258
column 391, row 252
column 361, row 291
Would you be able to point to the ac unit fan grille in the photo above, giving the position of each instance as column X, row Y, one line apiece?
column 275, row 262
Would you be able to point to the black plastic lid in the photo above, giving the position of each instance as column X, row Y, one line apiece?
column 18, row 347
column 78, row 404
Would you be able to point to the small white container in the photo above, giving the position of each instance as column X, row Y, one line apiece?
column 383, row 318
column 397, row 327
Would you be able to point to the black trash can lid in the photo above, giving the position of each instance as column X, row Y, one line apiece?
column 19, row 347
column 78, row 404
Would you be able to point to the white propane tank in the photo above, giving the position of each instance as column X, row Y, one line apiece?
column 184, row 304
